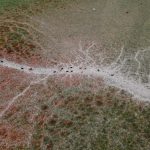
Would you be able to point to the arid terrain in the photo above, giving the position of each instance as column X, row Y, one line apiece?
column 74, row 75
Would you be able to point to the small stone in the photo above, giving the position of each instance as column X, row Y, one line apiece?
column 54, row 71
column 94, row 9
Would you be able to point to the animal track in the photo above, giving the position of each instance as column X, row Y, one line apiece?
column 111, row 74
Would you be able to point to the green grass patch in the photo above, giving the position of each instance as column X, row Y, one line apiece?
column 83, row 120
column 24, row 4
column 7, row 4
